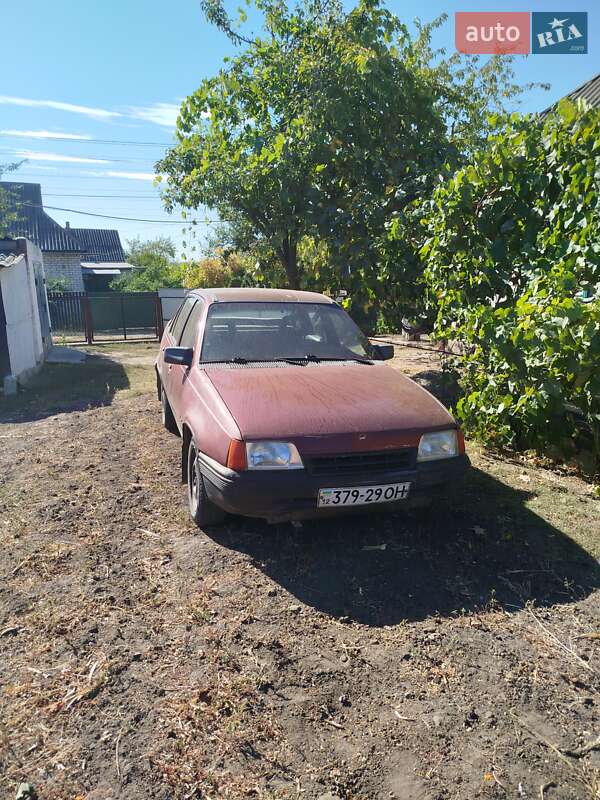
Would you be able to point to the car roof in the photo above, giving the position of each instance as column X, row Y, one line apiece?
column 251, row 295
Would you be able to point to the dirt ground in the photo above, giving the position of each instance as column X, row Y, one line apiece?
column 437, row 655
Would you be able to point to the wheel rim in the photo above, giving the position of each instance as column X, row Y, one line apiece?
column 193, row 480
column 163, row 406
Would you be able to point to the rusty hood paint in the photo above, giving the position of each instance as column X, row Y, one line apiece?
column 326, row 399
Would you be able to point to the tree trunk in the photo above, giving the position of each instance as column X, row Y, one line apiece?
column 288, row 254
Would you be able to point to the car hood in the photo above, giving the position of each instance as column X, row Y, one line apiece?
column 325, row 399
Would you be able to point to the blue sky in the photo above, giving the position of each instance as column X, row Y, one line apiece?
column 115, row 70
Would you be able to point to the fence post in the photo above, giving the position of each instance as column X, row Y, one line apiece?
column 87, row 319
column 123, row 317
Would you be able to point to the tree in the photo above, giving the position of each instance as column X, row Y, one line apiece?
column 326, row 126
column 157, row 268
column 151, row 251
column 9, row 213
column 221, row 269
column 512, row 245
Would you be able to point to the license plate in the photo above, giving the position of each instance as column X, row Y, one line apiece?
column 362, row 495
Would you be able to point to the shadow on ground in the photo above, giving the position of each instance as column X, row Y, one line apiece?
column 479, row 548
column 60, row 388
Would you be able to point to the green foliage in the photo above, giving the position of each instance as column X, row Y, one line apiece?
column 222, row 268
column 9, row 213
column 158, row 269
column 255, row 263
column 58, row 284
column 326, row 126
column 152, row 251
column 511, row 242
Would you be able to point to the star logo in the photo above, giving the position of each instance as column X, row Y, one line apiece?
column 559, row 32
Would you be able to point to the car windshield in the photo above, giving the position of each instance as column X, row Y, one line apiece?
column 280, row 331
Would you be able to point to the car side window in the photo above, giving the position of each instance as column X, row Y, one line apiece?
column 188, row 337
column 182, row 317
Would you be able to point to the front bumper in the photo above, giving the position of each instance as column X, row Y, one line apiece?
column 292, row 494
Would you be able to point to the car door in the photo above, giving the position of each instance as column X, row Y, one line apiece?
column 179, row 374
column 171, row 339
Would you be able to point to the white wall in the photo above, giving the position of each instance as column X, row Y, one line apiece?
column 65, row 265
column 19, row 312
column 35, row 268
column 23, row 330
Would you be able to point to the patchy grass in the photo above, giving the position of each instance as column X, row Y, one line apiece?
column 564, row 501
column 94, row 382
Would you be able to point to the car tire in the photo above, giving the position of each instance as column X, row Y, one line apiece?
column 168, row 418
column 202, row 510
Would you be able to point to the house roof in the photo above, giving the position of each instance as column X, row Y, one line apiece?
column 588, row 91
column 33, row 222
column 99, row 244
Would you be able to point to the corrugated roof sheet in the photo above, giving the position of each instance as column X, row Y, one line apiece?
column 33, row 222
column 99, row 244
column 10, row 260
column 588, row 91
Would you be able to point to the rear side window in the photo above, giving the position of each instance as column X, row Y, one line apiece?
column 188, row 337
column 184, row 313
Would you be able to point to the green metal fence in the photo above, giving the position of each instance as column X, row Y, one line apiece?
column 106, row 315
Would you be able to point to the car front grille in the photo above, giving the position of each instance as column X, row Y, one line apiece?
column 356, row 463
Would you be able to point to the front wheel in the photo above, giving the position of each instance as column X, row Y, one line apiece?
column 203, row 511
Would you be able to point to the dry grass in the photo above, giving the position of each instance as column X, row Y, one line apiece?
column 145, row 659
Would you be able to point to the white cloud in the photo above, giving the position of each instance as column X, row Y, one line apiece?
column 164, row 114
column 38, row 167
column 30, row 155
column 159, row 113
column 46, row 135
column 133, row 176
column 95, row 113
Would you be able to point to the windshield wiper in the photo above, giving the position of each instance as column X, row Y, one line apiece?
column 236, row 360
column 310, row 357
column 295, row 360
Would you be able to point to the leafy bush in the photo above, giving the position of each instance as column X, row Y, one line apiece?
column 222, row 268
column 58, row 285
column 156, row 267
column 512, row 240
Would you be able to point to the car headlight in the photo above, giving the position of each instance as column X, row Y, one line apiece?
column 439, row 444
column 273, row 455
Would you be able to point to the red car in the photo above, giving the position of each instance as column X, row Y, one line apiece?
column 286, row 411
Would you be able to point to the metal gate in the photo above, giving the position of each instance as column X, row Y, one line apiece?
column 66, row 314
column 103, row 316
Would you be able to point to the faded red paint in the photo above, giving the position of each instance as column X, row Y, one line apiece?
column 325, row 403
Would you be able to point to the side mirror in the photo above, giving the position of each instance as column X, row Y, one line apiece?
column 179, row 355
column 383, row 352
